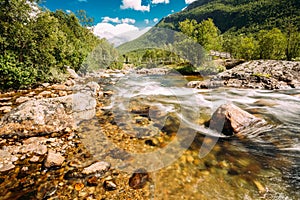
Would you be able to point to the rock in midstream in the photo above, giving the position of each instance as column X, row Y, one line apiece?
column 230, row 119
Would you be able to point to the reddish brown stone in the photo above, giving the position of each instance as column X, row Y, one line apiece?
column 230, row 119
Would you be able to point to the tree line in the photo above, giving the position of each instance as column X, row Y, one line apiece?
column 36, row 44
column 265, row 44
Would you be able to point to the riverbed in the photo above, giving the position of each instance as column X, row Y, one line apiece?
column 155, row 123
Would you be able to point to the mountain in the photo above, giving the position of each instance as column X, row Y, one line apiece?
column 239, row 15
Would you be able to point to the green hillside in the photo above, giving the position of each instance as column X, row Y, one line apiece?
column 242, row 15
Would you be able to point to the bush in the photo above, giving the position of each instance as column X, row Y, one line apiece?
column 14, row 74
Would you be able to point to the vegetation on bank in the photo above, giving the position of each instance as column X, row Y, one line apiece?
column 247, row 29
column 36, row 44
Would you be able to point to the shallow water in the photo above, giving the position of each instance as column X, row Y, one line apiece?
column 156, row 123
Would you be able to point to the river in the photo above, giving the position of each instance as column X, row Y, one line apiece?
column 156, row 123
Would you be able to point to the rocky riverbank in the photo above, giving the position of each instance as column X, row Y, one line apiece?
column 259, row 74
column 41, row 151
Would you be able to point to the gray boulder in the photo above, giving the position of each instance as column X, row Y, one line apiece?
column 45, row 116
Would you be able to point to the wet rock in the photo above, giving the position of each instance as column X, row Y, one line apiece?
column 109, row 185
column 230, row 119
column 98, row 167
column 92, row 181
column 54, row 159
column 139, row 179
column 79, row 186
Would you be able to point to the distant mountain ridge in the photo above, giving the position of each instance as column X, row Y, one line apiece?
column 239, row 15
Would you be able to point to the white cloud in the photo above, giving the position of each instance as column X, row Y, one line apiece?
column 128, row 21
column 118, row 34
column 135, row 5
column 146, row 21
column 109, row 19
column 160, row 1
column 189, row 1
column 155, row 20
column 68, row 11
column 117, row 20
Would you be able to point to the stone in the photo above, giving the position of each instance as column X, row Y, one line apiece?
column 22, row 100
column 79, row 186
column 72, row 73
column 6, row 161
column 58, row 87
column 70, row 82
column 109, row 185
column 230, row 119
column 35, row 148
column 92, row 181
column 45, row 94
column 139, row 179
column 62, row 93
column 98, row 167
column 45, row 116
column 34, row 159
column 54, row 159
column 45, row 84
column 5, row 109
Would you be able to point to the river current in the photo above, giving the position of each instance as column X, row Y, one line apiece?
column 195, row 162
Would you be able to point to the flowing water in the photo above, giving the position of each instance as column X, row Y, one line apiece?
column 156, row 123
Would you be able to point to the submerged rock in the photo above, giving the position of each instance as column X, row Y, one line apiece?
column 98, row 167
column 230, row 119
column 139, row 179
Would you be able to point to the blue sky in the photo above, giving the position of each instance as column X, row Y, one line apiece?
column 121, row 20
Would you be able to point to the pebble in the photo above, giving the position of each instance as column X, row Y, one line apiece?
column 139, row 179
column 79, row 186
column 93, row 181
column 189, row 159
column 109, row 185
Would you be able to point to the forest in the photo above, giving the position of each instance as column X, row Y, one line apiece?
column 36, row 44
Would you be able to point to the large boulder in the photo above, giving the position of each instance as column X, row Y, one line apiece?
column 230, row 119
column 44, row 116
